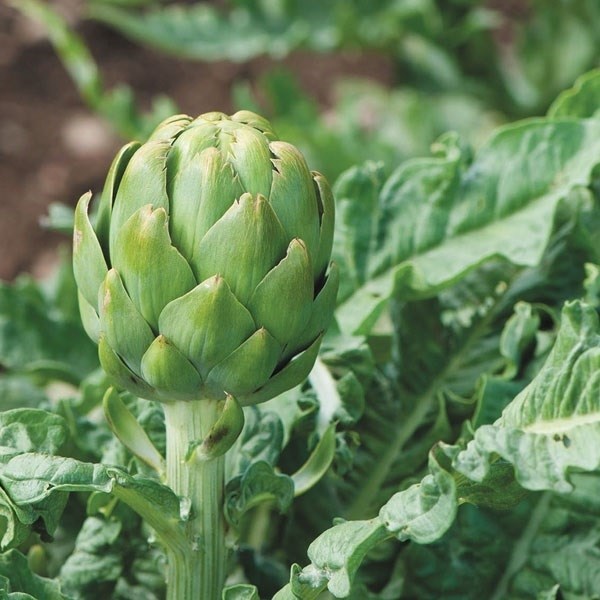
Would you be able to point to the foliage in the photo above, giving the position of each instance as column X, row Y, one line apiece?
column 504, row 53
column 446, row 443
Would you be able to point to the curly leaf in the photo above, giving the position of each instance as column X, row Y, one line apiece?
column 549, row 429
column 258, row 484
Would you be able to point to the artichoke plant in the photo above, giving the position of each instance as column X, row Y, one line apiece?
column 206, row 270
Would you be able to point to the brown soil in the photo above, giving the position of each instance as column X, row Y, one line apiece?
column 52, row 148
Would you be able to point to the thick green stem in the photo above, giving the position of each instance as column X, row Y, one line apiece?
column 198, row 573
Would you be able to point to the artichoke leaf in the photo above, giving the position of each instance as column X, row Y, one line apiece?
column 89, row 318
column 293, row 197
column 144, row 182
column 197, row 137
column 170, row 128
column 201, row 193
column 291, row 375
column 120, row 373
column 222, row 435
column 89, row 265
column 242, row 246
column 131, row 434
column 327, row 205
column 282, row 301
column 206, row 324
column 250, row 156
column 145, row 256
column 113, row 179
column 322, row 307
column 250, row 118
column 169, row 371
column 124, row 328
column 248, row 367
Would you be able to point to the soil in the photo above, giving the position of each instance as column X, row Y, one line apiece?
column 52, row 148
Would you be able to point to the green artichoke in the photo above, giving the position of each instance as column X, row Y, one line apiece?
column 206, row 271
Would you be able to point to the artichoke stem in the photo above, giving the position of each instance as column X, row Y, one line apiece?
column 199, row 573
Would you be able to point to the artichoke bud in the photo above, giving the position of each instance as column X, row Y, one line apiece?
column 206, row 272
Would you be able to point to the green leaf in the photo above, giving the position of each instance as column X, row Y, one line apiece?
column 33, row 332
column 425, row 511
column 317, row 464
column 89, row 264
column 240, row 591
column 201, row 32
column 557, row 548
column 518, row 335
column 582, row 100
column 23, row 583
column 258, row 484
column 18, row 391
column 27, row 429
column 94, row 562
column 131, row 434
column 438, row 219
column 261, row 440
column 336, row 554
column 31, row 478
column 12, row 531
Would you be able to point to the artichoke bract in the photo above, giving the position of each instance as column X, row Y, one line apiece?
column 206, row 270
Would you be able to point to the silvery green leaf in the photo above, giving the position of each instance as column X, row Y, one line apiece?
column 547, row 431
column 430, row 211
column 518, row 335
column 424, row 511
